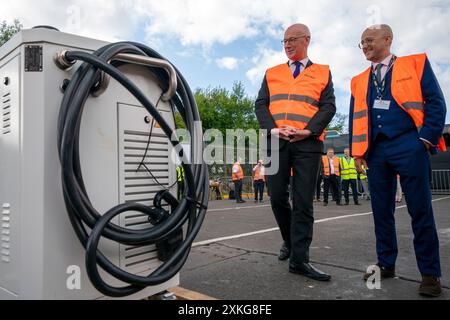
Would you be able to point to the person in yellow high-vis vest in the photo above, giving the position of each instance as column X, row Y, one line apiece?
column 349, row 177
column 180, row 182
column 364, row 183
column 397, row 116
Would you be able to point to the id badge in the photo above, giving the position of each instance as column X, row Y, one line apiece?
column 382, row 104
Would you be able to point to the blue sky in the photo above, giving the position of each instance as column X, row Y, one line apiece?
column 219, row 42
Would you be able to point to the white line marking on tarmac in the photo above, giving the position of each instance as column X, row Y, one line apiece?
column 206, row 242
column 203, row 243
column 237, row 208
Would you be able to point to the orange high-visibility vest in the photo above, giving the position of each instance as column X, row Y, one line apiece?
column 406, row 90
column 294, row 102
column 326, row 166
column 239, row 175
column 258, row 175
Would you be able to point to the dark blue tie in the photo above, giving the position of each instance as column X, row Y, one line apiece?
column 378, row 69
column 297, row 68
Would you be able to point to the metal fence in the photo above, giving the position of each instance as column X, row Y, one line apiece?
column 440, row 184
column 440, row 181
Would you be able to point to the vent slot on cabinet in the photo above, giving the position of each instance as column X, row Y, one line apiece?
column 5, row 234
column 139, row 186
column 6, row 112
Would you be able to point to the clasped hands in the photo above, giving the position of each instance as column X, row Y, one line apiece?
column 291, row 134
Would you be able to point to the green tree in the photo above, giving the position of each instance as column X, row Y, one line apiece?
column 7, row 30
column 339, row 123
column 222, row 109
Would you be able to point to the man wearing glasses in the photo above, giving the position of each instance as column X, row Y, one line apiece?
column 397, row 115
column 295, row 103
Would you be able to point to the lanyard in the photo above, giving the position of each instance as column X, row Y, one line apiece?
column 382, row 86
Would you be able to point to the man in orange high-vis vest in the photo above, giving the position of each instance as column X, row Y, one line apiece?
column 237, row 175
column 397, row 116
column 295, row 104
column 331, row 177
column 259, row 179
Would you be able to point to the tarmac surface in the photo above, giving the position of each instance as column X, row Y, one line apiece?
column 234, row 256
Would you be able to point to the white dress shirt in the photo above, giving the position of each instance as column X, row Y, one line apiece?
column 384, row 68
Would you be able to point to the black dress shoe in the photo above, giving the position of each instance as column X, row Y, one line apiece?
column 285, row 252
column 308, row 270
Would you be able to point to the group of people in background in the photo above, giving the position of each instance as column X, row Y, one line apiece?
column 340, row 174
column 259, row 181
column 337, row 173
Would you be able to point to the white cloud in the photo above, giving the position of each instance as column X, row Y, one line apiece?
column 228, row 63
column 102, row 19
column 419, row 26
column 265, row 59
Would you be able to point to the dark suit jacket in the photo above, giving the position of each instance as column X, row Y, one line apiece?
column 327, row 110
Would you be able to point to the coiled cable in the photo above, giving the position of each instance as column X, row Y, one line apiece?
column 188, row 213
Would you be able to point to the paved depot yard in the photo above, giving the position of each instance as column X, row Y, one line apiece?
column 235, row 256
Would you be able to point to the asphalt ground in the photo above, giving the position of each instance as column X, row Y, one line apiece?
column 235, row 254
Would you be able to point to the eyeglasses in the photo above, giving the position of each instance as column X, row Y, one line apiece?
column 367, row 41
column 292, row 40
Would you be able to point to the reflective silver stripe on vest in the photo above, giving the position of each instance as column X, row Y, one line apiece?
column 306, row 99
column 291, row 116
column 279, row 116
column 279, row 97
column 361, row 138
column 413, row 105
column 294, row 97
column 360, row 115
column 297, row 117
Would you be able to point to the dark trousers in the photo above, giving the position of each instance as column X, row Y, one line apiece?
column 238, row 190
column 180, row 189
column 318, row 186
column 258, row 185
column 291, row 188
column 407, row 156
column 332, row 181
column 296, row 223
column 345, row 185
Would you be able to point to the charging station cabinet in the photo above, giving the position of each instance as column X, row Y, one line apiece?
column 41, row 257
